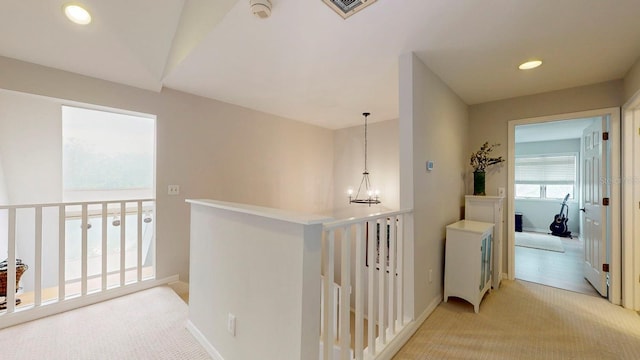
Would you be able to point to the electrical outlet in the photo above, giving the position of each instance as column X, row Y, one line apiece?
column 173, row 190
column 501, row 192
column 430, row 276
column 231, row 324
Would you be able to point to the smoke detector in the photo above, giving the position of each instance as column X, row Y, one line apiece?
column 261, row 8
column 346, row 8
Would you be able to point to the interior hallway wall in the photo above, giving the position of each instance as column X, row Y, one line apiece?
column 632, row 81
column 433, row 126
column 210, row 148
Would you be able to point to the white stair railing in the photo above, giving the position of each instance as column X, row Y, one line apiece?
column 98, row 271
column 375, row 275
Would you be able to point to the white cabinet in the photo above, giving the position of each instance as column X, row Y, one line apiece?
column 467, row 267
column 489, row 209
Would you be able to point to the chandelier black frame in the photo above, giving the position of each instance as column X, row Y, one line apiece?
column 372, row 195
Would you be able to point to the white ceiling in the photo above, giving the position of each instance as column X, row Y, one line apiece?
column 553, row 130
column 306, row 63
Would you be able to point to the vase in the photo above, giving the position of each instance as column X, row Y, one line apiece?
column 478, row 183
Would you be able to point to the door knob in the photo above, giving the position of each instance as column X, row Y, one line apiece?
column 583, row 210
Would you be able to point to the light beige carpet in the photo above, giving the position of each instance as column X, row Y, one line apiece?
column 527, row 321
column 539, row 241
column 146, row 325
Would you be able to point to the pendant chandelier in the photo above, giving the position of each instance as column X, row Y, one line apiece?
column 372, row 196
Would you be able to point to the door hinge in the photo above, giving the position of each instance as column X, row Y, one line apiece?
column 605, row 136
column 605, row 201
column 605, row 267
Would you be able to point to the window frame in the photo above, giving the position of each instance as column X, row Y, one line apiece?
column 543, row 185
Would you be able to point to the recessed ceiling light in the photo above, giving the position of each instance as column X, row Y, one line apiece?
column 530, row 65
column 76, row 13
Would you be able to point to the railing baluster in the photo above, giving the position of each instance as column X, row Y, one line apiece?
column 382, row 275
column 400, row 267
column 345, row 295
column 37, row 267
column 329, row 316
column 123, row 244
column 85, row 233
column 41, row 261
column 103, row 246
column 360, row 254
column 11, row 263
column 62, row 233
column 392, row 275
column 371, row 314
column 139, row 247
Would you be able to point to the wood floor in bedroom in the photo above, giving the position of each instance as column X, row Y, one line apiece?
column 556, row 269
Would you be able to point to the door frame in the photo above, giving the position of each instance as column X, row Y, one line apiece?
column 615, row 290
column 631, row 213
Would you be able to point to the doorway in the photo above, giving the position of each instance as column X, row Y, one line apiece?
column 543, row 154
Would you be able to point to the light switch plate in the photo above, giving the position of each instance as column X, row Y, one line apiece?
column 173, row 190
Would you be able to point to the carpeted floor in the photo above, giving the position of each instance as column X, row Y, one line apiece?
column 521, row 320
column 539, row 241
column 146, row 325
column 527, row 321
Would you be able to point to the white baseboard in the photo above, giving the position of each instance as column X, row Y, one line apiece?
column 405, row 334
column 34, row 313
column 202, row 340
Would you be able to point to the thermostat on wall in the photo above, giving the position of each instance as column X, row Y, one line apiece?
column 429, row 165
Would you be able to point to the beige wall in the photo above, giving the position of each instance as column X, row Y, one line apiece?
column 28, row 123
column 433, row 126
column 632, row 81
column 211, row 149
column 382, row 163
column 489, row 122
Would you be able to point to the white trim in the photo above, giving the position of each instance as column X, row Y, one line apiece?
column 407, row 332
column 202, row 340
column 29, row 314
column 614, row 112
column 631, row 190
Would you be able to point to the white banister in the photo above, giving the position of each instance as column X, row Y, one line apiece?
column 84, row 253
column 62, row 231
column 400, row 246
column 392, row 279
column 371, row 314
column 381, row 243
column 328, row 335
column 139, row 243
column 359, row 295
column 83, row 259
column 37, row 266
column 345, row 294
column 371, row 253
column 103, row 247
column 11, row 261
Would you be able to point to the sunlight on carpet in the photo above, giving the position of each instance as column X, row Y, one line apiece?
column 149, row 324
column 539, row 241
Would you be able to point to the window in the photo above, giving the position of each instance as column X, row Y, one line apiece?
column 106, row 155
column 545, row 177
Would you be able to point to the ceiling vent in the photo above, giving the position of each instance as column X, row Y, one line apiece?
column 346, row 8
column 261, row 8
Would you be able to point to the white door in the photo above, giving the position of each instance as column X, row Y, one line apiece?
column 595, row 212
